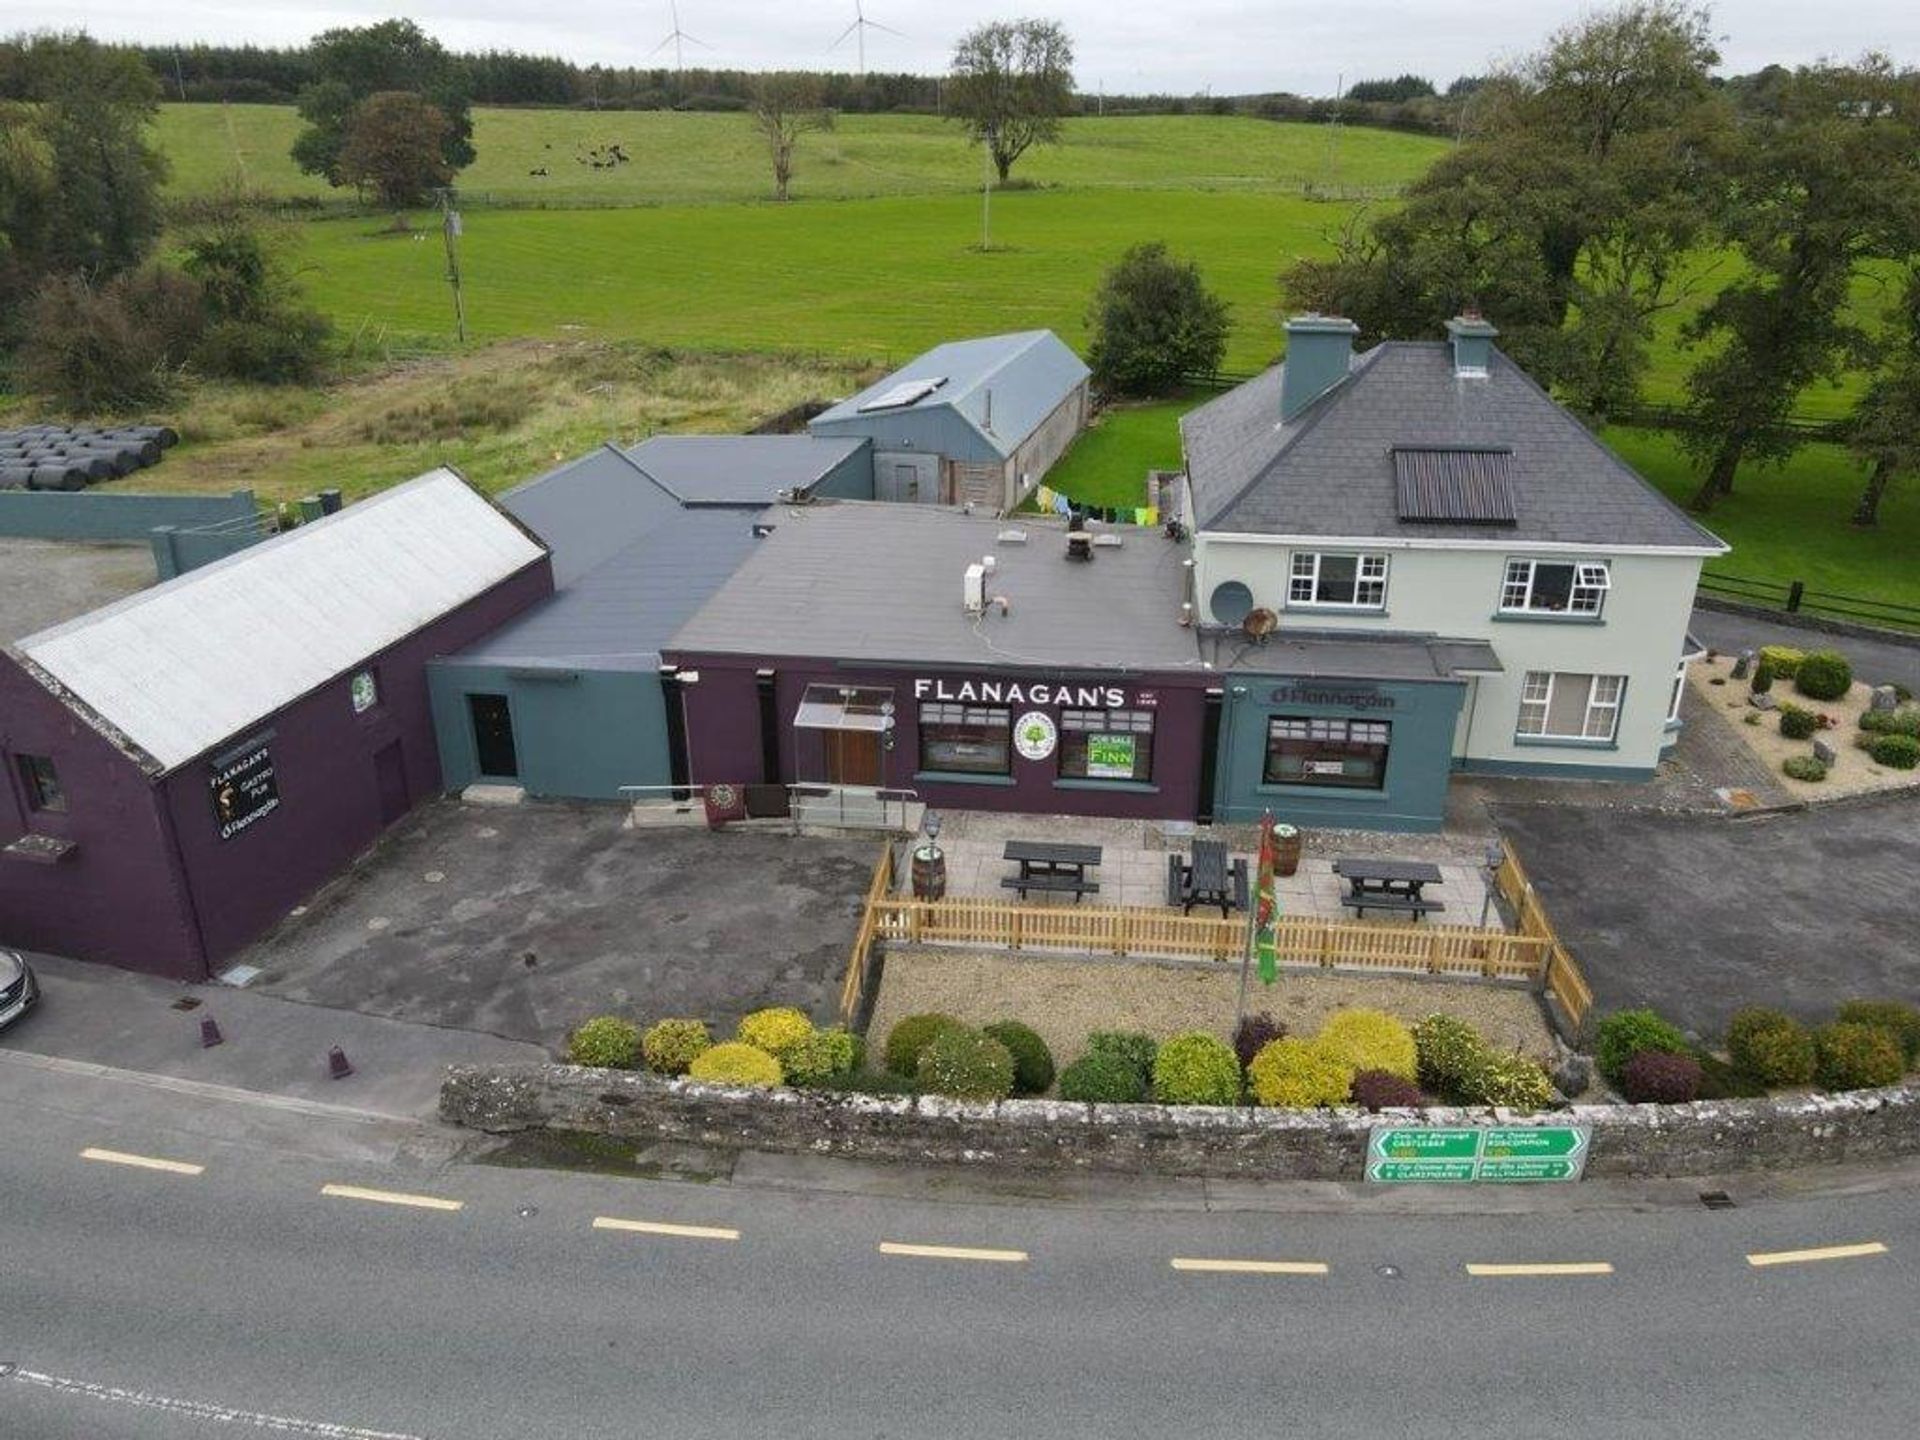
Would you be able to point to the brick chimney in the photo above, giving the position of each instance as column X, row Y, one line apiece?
column 1319, row 352
column 1472, row 339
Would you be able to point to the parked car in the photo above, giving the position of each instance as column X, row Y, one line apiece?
column 19, row 991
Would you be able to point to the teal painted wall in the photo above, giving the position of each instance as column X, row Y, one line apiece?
column 1419, row 757
column 851, row 479
column 581, row 738
column 115, row 515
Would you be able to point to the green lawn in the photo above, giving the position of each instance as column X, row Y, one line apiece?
column 1108, row 465
column 681, row 158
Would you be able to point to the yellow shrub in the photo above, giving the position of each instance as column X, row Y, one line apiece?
column 774, row 1030
column 735, row 1064
column 1372, row 1040
column 1299, row 1074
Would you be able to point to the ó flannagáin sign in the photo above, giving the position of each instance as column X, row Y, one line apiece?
column 1477, row 1154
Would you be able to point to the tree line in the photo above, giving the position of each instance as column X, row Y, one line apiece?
column 1608, row 180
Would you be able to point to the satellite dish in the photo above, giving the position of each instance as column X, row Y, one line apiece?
column 1260, row 623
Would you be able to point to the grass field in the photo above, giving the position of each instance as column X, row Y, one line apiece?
column 1108, row 465
column 688, row 158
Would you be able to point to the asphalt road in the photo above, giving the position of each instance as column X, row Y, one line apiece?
column 143, row 1304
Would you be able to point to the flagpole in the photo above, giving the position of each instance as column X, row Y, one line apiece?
column 1246, row 964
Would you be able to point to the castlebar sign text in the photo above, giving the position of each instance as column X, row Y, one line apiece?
column 243, row 788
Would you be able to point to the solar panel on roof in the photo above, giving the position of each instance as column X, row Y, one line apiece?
column 907, row 392
column 1455, row 486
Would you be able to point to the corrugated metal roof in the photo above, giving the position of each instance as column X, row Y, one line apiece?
column 193, row 663
column 1001, row 385
column 1455, row 485
column 740, row 469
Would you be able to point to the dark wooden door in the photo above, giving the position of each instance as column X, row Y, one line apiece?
column 853, row 757
column 390, row 771
column 493, row 736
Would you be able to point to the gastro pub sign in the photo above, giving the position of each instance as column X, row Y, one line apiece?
column 242, row 786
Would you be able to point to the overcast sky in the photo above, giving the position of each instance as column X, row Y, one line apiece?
column 1186, row 46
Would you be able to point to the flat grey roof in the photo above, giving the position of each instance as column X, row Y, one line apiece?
column 858, row 580
column 740, row 469
column 1330, row 471
column 1350, row 655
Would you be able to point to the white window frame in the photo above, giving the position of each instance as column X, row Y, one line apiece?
column 1370, row 575
column 1606, row 695
column 1586, row 598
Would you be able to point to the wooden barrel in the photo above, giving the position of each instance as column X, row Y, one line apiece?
column 929, row 873
column 1286, row 849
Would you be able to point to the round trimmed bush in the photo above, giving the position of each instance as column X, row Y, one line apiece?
column 670, row 1046
column 1135, row 1047
column 821, row 1057
column 1772, row 1047
column 966, row 1065
column 1383, row 1090
column 605, row 1040
column 1447, row 1049
column 1898, row 1020
column 1782, row 660
column 1856, row 1057
column 1102, row 1078
column 1810, row 768
column 1254, row 1033
column 775, row 1030
column 1762, row 679
column 1627, row 1033
column 1032, row 1061
column 1796, row 723
column 1512, row 1081
column 1896, row 752
column 736, row 1063
column 1299, row 1075
column 1905, row 720
column 870, row 1082
column 1823, row 675
column 912, row 1035
column 1654, row 1077
column 1372, row 1040
column 1196, row 1069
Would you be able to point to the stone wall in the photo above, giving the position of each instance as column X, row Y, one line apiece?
column 1706, row 1138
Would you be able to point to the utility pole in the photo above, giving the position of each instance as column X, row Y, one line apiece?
column 450, row 229
column 986, row 195
column 1333, row 131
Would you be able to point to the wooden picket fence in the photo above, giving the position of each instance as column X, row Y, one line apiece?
column 1562, row 977
column 855, row 983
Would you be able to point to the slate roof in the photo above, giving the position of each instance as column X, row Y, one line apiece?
column 740, row 469
column 1331, row 473
column 193, row 663
column 867, row 581
column 1028, row 373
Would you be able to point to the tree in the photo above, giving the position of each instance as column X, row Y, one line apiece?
column 1580, row 183
column 785, row 106
column 1829, row 182
column 1154, row 324
column 1391, row 92
column 394, row 146
column 352, row 65
column 1886, row 426
column 255, row 326
column 1011, row 82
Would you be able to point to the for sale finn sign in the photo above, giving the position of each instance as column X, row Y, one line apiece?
column 1476, row 1154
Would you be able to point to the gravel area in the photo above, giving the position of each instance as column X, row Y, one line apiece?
column 1853, row 772
column 1064, row 999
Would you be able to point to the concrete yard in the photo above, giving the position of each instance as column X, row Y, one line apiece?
column 1698, row 916
column 47, row 582
column 522, row 921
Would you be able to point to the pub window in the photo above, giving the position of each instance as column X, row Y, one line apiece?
column 1562, row 705
column 966, row 739
column 1318, row 750
column 42, row 784
column 1106, row 744
column 1541, row 587
column 1355, row 581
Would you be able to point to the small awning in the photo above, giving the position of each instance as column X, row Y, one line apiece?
column 1465, row 657
column 843, row 707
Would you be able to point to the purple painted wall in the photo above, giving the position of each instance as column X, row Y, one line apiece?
column 724, row 743
column 153, row 887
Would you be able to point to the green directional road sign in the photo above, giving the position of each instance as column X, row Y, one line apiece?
column 1493, row 1154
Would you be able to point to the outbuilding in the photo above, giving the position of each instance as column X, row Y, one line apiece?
column 185, row 765
column 972, row 422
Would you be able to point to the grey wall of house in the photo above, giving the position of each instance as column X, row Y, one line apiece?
column 935, row 431
column 1051, row 439
column 581, row 737
column 851, row 479
column 111, row 515
column 1419, row 756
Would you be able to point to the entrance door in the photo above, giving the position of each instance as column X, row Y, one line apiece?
column 853, row 757
column 493, row 736
column 390, row 772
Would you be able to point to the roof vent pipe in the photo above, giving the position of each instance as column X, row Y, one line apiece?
column 1472, row 338
column 1319, row 354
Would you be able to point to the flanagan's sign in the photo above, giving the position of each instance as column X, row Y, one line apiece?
column 1015, row 692
column 243, row 789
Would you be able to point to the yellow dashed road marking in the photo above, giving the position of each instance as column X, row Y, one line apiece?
column 391, row 1197
column 142, row 1162
column 1761, row 1259
column 1578, row 1267
column 657, row 1227
column 1251, row 1267
column 952, row 1252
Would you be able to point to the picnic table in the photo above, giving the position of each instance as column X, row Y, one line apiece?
column 1052, row 867
column 1208, row 879
column 1393, row 885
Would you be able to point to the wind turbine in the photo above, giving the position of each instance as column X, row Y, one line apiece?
column 858, row 29
column 674, row 37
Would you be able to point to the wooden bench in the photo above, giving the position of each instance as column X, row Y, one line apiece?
column 1402, row 904
column 1053, row 884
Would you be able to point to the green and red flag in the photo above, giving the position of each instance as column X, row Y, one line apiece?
column 1267, row 907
